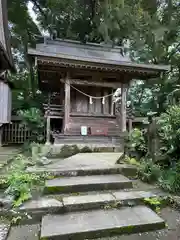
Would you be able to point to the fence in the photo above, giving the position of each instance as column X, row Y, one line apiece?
column 15, row 133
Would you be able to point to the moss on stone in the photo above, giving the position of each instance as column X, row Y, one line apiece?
column 86, row 149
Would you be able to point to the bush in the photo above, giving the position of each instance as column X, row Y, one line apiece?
column 69, row 150
column 19, row 186
column 169, row 134
column 136, row 143
column 33, row 120
column 20, row 183
column 148, row 171
column 170, row 180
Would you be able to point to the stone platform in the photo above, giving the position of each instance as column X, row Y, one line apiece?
column 87, row 164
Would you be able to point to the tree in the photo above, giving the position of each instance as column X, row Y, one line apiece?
column 151, row 28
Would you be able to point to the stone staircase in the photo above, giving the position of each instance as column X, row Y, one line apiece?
column 92, row 205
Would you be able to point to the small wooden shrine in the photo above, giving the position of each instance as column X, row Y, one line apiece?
column 80, row 80
column 6, row 63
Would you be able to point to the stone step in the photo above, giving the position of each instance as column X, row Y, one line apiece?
column 87, row 183
column 127, row 170
column 100, row 223
column 106, row 200
column 92, row 200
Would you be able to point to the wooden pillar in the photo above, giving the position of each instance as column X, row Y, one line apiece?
column 48, row 120
column 123, row 108
column 112, row 104
column 1, row 135
column 130, row 125
column 48, row 130
column 67, row 103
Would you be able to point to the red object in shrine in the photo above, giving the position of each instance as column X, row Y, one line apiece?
column 99, row 131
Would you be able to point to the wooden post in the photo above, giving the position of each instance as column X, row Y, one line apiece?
column 112, row 104
column 48, row 120
column 123, row 108
column 48, row 130
column 67, row 103
column 129, row 124
column 1, row 135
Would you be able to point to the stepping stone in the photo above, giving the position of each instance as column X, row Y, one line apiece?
column 76, row 171
column 86, row 202
column 127, row 170
column 87, row 183
column 100, row 223
column 99, row 200
column 45, row 205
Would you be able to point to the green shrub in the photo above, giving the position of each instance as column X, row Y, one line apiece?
column 19, row 183
column 69, row 150
column 170, row 180
column 148, row 171
column 34, row 121
column 136, row 143
column 169, row 134
column 19, row 186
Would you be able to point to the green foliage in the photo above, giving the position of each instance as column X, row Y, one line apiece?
column 147, row 31
column 148, row 171
column 69, row 150
column 170, row 180
column 33, row 120
column 154, row 203
column 131, row 161
column 136, row 142
column 19, row 182
column 169, row 133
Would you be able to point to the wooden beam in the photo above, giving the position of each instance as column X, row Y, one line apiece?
column 67, row 103
column 123, row 108
column 113, row 85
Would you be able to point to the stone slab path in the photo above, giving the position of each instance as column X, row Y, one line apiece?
column 86, row 160
column 87, row 183
column 172, row 232
column 87, row 164
column 82, row 225
column 76, row 216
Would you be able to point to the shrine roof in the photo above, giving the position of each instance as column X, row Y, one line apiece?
column 91, row 54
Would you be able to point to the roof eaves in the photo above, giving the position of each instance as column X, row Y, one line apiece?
column 138, row 66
